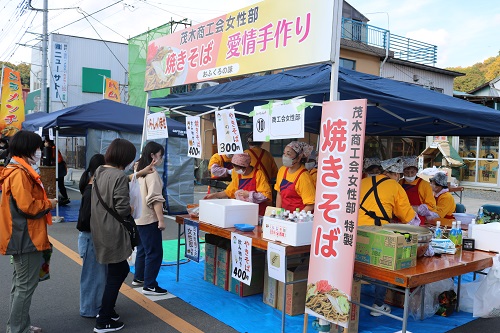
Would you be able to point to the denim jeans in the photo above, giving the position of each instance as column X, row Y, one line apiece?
column 149, row 254
column 116, row 275
column 380, row 295
column 24, row 282
column 93, row 277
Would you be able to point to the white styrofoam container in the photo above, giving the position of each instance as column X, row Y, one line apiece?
column 225, row 213
column 287, row 232
column 486, row 236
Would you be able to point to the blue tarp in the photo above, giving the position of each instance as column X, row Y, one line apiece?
column 395, row 108
column 102, row 115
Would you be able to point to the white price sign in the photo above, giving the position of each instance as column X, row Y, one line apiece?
column 193, row 132
column 157, row 126
column 228, row 134
column 241, row 258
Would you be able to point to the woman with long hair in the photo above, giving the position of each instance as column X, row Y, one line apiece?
column 150, row 224
column 93, row 276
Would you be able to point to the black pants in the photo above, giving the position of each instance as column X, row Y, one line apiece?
column 116, row 275
column 62, row 172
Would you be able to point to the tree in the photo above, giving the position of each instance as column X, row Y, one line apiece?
column 23, row 68
column 477, row 74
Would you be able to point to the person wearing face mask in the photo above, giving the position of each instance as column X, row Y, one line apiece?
column 382, row 198
column 294, row 185
column 312, row 166
column 220, row 166
column 261, row 158
column 445, row 204
column 247, row 184
column 418, row 190
column 150, row 224
column 371, row 167
column 23, row 230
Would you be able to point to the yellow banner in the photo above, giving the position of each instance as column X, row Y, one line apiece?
column 267, row 35
column 112, row 90
column 12, row 103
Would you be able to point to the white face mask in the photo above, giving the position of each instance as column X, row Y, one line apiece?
column 36, row 157
column 410, row 179
column 240, row 171
column 287, row 161
column 309, row 165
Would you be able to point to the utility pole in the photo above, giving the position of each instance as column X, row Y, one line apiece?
column 45, row 37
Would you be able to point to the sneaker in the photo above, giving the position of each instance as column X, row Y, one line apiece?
column 108, row 327
column 137, row 282
column 384, row 307
column 155, row 291
column 114, row 316
column 64, row 201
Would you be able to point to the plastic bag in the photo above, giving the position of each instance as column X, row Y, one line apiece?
column 135, row 197
column 487, row 297
column 131, row 259
column 431, row 303
column 467, row 292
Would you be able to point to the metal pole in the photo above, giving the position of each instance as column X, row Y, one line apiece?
column 45, row 37
column 144, row 124
column 335, row 54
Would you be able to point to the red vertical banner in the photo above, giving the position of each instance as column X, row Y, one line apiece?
column 12, row 103
column 333, row 244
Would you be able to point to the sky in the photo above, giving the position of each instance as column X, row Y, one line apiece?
column 465, row 32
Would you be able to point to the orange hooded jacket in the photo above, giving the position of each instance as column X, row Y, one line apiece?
column 23, row 226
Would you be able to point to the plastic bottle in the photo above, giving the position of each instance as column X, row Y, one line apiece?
column 480, row 216
column 453, row 233
column 310, row 217
column 273, row 214
column 438, row 232
column 459, row 233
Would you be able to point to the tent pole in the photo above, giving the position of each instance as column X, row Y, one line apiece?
column 335, row 53
column 57, row 217
column 144, row 124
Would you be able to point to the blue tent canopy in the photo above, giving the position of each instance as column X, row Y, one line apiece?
column 395, row 108
column 102, row 115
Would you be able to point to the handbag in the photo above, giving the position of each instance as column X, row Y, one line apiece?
column 128, row 222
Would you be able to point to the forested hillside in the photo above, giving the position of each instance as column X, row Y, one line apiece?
column 476, row 74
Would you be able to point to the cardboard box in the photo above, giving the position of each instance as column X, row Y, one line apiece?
column 257, row 285
column 486, row 236
column 295, row 293
column 270, row 293
column 386, row 249
column 225, row 213
column 287, row 232
column 353, row 322
column 222, row 272
column 210, row 254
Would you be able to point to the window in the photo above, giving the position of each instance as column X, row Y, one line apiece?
column 347, row 63
column 277, row 146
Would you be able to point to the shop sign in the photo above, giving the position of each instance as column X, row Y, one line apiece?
column 241, row 258
column 279, row 120
column 12, row 103
column 228, row 134
column 193, row 132
column 333, row 244
column 191, row 235
column 59, row 72
column 156, row 126
column 267, row 35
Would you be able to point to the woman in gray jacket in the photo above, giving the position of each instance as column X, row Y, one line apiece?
column 111, row 239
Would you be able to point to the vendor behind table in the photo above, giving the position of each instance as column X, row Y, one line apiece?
column 247, row 184
column 220, row 166
column 445, row 204
column 294, row 185
column 261, row 158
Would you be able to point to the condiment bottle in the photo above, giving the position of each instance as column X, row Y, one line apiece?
column 438, row 232
column 459, row 233
column 453, row 233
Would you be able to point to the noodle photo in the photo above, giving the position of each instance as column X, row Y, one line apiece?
column 327, row 301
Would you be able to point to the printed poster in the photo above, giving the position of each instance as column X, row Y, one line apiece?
column 228, row 133
column 111, row 90
column 157, row 126
column 267, row 35
column 241, row 258
column 279, row 120
column 333, row 244
column 12, row 107
column 191, row 235
column 193, row 131
column 276, row 261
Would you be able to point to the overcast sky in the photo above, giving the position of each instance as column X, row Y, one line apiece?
column 466, row 32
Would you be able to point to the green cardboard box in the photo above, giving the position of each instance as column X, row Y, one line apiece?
column 385, row 248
